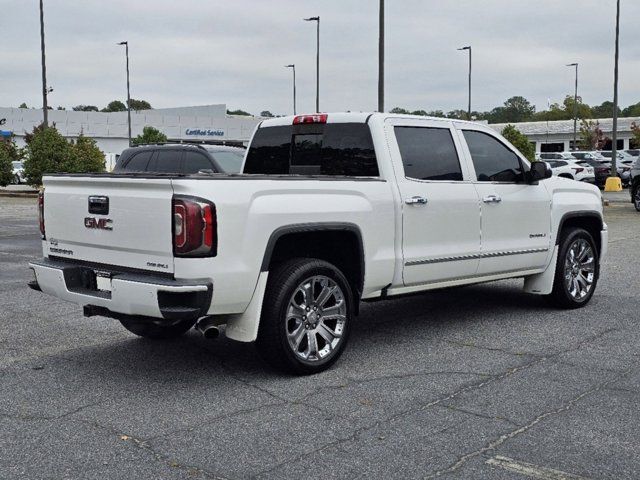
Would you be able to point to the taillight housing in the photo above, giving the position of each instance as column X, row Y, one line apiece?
column 195, row 229
column 41, row 212
column 578, row 170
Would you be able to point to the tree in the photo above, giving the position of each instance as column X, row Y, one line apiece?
column 85, row 108
column 266, row 114
column 46, row 152
column 591, row 136
column 23, row 105
column 632, row 110
column 399, row 110
column 149, row 135
column 139, row 105
column 115, row 106
column 238, row 112
column 8, row 153
column 605, row 110
column 457, row 114
column 85, row 156
column 520, row 141
column 514, row 109
column 60, row 108
column 635, row 129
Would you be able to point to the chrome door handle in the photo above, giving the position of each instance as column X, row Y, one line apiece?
column 492, row 199
column 417, row 200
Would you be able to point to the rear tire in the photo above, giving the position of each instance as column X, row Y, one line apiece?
column 157, row 331
column 306, row 316
column 577, row 269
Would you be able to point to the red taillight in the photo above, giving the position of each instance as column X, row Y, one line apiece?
column 316, row 118
column 578, row 170
column 41, row 212
column 194, row 227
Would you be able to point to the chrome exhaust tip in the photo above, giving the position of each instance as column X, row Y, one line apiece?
column 208, row 327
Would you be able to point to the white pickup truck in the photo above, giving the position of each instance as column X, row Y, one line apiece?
column 330, row 210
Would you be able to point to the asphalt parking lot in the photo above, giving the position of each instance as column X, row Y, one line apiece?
column 475, row 382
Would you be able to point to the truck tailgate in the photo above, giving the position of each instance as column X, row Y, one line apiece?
column 134, row 230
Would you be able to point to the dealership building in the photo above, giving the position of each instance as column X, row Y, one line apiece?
column 200, row 124
column 557, row 136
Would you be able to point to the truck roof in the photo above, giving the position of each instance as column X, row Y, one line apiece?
column 350, row 117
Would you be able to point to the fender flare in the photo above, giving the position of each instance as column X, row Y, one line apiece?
column 578, row 214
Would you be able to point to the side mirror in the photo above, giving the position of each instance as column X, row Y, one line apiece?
column 539, row 171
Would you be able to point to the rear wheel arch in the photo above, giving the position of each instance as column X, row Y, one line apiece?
column 338, row 243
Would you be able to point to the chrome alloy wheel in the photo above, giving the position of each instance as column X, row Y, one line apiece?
column 579, row 269
column 316, row 318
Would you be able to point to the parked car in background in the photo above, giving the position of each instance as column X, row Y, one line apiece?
column 586, row 155
column 18, row 173
column 572, row 170
column 180, row 158
column 556, row 156
column 624, row 161
column 635, row 184
column 600, row 170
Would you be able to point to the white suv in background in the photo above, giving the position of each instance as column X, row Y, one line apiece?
column 546, row 156
column 572, row 170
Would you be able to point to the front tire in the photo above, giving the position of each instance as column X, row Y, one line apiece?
column 577, row 269
column 157, row 330
column 306, row 316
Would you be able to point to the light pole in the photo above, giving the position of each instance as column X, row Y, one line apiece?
column 575, row 108
column 293, row 67
column 468, row 47
column 381, row 58
column 317, row 19
column 126, row 52
column 45, row 90
column 614, row 144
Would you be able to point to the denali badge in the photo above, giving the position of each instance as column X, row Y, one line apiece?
column 99, row 223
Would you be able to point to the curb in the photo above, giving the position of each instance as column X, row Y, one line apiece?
column 8, row 193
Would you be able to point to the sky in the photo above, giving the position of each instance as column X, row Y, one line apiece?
column 198, row 52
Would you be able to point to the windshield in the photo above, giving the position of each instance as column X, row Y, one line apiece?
column 229, row 160
column 17, row 164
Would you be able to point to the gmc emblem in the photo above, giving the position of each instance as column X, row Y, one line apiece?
column 99, row 223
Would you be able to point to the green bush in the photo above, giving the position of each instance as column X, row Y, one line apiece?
column 49, row 152
column 6, row 169
column 520, row 141
column 86, row 157
column 149, row 135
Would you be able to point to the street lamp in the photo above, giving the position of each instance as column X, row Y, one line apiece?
column 575, row 107
column 45, row 90
column 381, row 58
column 468, row 47
column 293, row 67
column 126, row 50
column 614, row 145
column 317, row 19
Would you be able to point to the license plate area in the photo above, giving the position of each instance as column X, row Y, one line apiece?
column 88, row 281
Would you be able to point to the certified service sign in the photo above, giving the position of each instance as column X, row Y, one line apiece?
column 197, row 132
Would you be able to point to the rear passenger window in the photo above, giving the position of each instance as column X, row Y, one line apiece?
column 493, row 161
column 166, row 161
column 193, row 162
column 342, row 149
column 138, row 162
column 428, row 153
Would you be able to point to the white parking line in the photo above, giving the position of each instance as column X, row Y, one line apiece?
column 531, row 470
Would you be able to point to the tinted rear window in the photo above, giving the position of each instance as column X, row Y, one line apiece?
column 193, row 162
column 428, row 153
column 138, row 162
column 344, row 149
column 166, row 161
